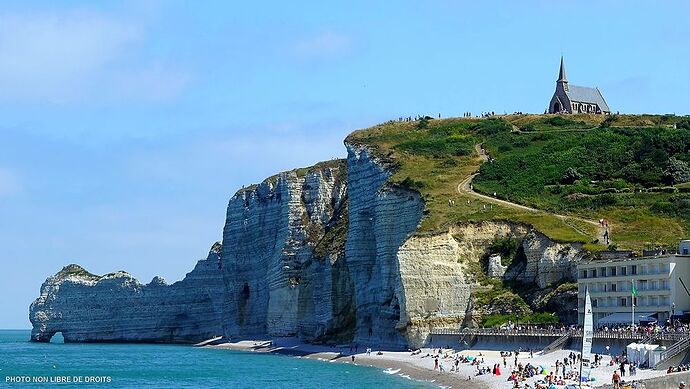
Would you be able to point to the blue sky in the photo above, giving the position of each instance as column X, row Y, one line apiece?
column 125, row 127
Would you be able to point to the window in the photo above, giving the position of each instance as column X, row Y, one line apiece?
column 603, row 271
column 613, row 287
column 594, row 273
column 594, row 303
column 634, row 301
column 624, row 302
column 613, row 272
column 633, row 269
column 604, row 287
column 584, row 274
column 624, row 271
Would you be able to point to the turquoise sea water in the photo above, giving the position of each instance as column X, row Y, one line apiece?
column 175, row 366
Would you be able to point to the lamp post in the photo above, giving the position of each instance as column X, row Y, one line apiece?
column 673, row 310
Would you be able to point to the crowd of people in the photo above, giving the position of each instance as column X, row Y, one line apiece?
column 677, row 369
column 519, row 372
column 650, row 329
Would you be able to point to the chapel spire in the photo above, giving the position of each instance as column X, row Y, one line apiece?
column 561, row 73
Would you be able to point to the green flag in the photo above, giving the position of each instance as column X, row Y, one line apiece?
column 634, row 290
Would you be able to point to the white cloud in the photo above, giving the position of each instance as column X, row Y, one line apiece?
column 9, row 183
column 323, row 44
column 77, row 55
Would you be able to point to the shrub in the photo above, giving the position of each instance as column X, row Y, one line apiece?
column 507, row 248
column 677, row 171
column 423, row 123
column 492, row 126
column 608, row 121
column 570, row 176
column 683, row 124
column 560, row 121
column 527, row 127
column 409, row 183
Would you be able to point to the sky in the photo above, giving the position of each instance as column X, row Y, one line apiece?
column 125, row 127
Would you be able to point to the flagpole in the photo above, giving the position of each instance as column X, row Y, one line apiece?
column 632, row 301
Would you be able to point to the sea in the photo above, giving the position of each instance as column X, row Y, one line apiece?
column 28, row 364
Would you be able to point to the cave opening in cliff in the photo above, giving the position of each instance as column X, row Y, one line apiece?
column 57, row 338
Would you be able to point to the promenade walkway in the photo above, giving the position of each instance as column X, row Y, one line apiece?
column 557, row 332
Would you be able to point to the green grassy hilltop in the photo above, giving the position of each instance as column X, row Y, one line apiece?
column 572, row 170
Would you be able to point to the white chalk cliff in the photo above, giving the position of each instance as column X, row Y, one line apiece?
column 328, row 254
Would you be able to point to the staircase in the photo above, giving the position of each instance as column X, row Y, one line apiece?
column 557, row 344
column 675, row 349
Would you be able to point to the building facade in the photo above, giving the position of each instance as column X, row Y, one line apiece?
column 576, row 99
column 662, row 286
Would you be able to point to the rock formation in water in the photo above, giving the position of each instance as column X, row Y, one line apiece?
column 328, row 254
column 117, row 308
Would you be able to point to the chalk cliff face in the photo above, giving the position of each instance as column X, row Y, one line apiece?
column 381, row 219
column 328, row 254
column 276, row 285
column 267, row 277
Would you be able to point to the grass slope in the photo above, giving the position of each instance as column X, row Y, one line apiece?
column 618, row 168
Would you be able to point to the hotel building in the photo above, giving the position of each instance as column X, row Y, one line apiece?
column 662, row 283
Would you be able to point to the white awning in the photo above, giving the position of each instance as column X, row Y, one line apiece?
column 625, row 318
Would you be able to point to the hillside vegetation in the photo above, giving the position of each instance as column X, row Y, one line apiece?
column 632, row 170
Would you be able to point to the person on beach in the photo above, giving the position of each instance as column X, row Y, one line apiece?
column 616, row 379
column 353, row 359
column 435, row 363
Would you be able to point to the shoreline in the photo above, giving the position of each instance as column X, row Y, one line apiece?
column 419, row 367
column 389, row 363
